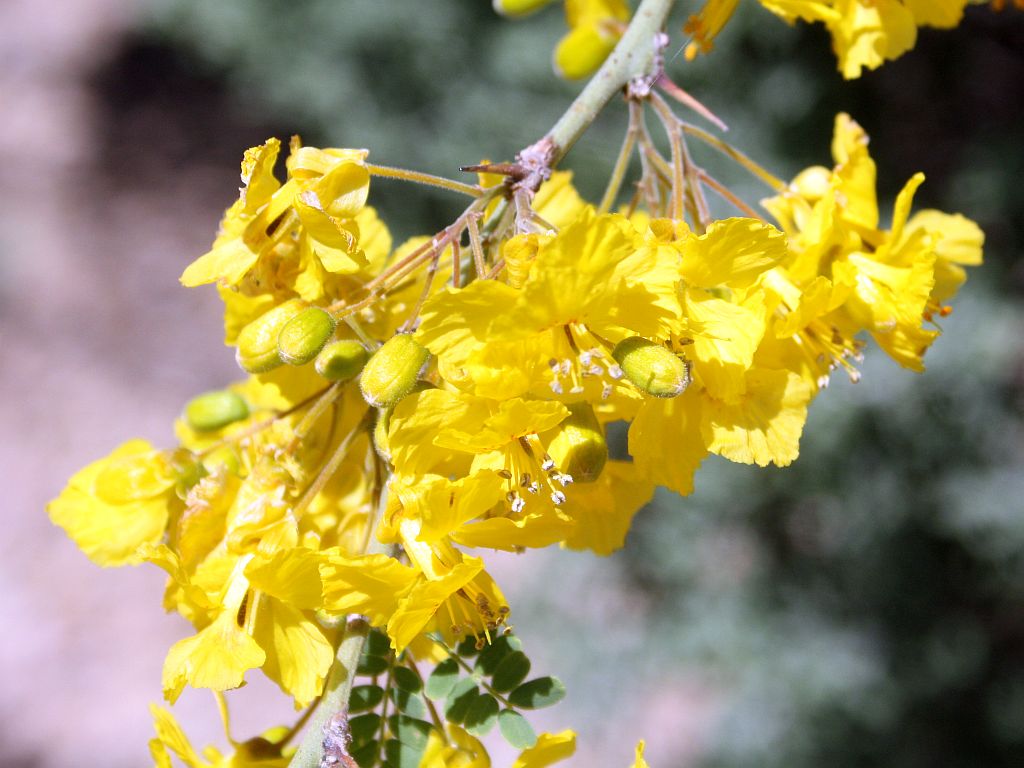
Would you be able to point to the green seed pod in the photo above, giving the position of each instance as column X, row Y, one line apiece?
column 341, row 360
column 651, row 367
column 211, row 411
column 257, row 343
column 302, row 337
column 579, row 448
column 393, row 370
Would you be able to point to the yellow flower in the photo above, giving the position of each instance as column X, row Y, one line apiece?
column 845, row 275
column 459, row 750
column 593, row 284
column 118, row 503
column 705, row 25
column 595, row 26
column 266, row 751
column 263, row 618
column 866, row 33
column 441, row 591
column 638, row 761
column 725, row 312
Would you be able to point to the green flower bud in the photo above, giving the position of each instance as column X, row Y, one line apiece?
column 393, row 370
column 579, row 448
column 341, row 360
column 651, row 367
column 302, row 337
column 257, row 343
column 211, row 411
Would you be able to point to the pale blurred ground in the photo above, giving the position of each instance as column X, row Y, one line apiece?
column 100, row 344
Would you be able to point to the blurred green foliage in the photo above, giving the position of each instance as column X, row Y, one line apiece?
column 864, row 607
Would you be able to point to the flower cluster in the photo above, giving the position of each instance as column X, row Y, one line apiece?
column 865, row 33
column 396, row 416
column 409, row 407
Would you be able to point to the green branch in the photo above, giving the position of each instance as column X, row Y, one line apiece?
column 337, row 690
column 632, row 57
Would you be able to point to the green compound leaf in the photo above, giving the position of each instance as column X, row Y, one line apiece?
column 371, row 666
column 411, row 731
column 516, row 729
column 377, row 644
column 442, row 679
column 364, row 697
column 482, row 715
column 399, row 755
column 512, row 670
column 538, row 693
column 364, row 728
column 493, row 654
column 408, row 703
column 366, row 755
column 467, row 648
column 460, row 699
column 407, row 680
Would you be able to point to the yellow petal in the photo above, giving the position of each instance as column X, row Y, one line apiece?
column 944, row 14
column 217, row 658
column 298, row 654
column 604, row 510
column 114, row 505
column 638, row 760
column 290, row 575
column 368, row 584
column 513, row 419
column 536, row 530
column 420, row 605
column 764, row 426
column 583, row 50
column 259, row 183
column 518, row 7
column 725, row 337
column 343, row 190
column 445, row 506
column 550, row 748
column 170, row 736
column 666, row 442
column 732, row 252
column 419, row 418
column 957, row 238
column 227, row 263
column 870, row 33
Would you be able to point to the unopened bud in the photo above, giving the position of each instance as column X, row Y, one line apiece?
column 651, row 367
column 341, row 360
column 813, row 183
column 211, row 411
column 518, row 7
column 302, row 337
column 579, row 448
column 393, row 370
column 257, row 342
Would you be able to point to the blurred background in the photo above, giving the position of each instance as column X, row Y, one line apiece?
column 864, row 607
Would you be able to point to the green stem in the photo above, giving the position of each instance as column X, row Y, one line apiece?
column 632, row 57
column 336, row 692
